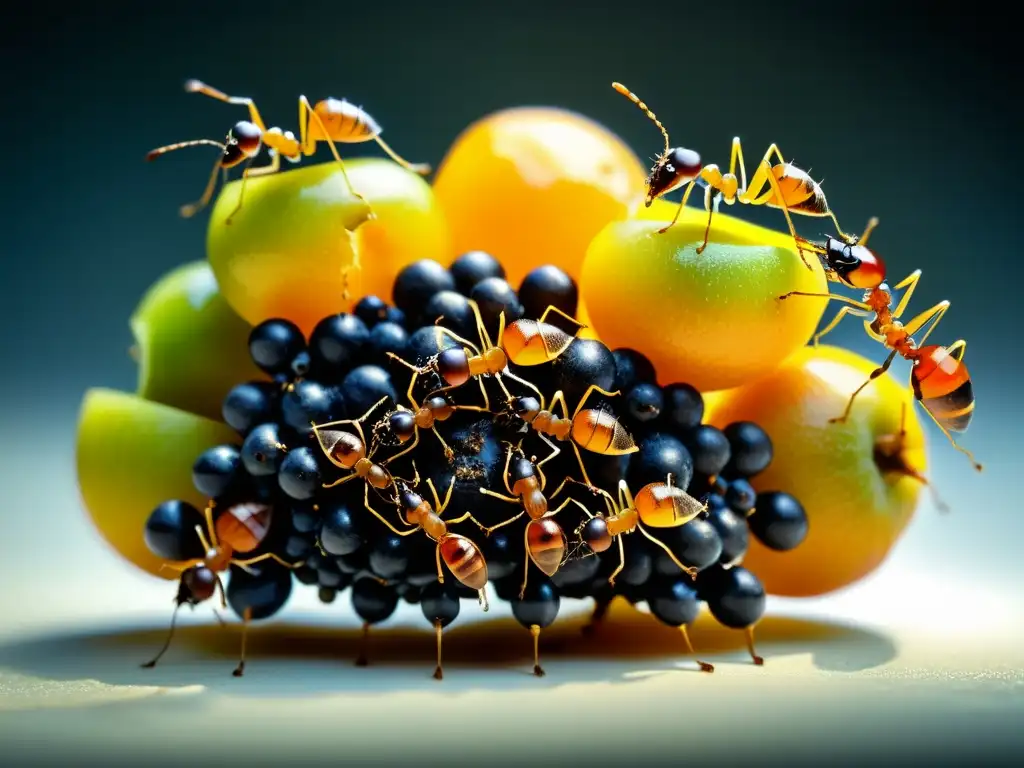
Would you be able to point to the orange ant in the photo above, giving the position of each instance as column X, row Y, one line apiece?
column 524, row 342
column 939, row 378
column 657, row 505
column 330, row 121
column 790, row 189
column 239, row 529
column 543, row 538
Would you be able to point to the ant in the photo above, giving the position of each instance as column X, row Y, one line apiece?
column 239, row 529
column 592, row 428
column 939, row 379
column 543, row 538
column 404, row 424
column 330, row 121
column 524, row 342
column 657, row 505
column 790, row 189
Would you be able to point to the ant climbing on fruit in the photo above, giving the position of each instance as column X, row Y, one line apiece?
column 239, row 529
column 543, row 538
column 790, row 189
column 656, row 505
column 939, row 378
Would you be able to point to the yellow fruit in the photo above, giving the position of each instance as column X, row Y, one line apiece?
column 533, row 186
column 285, row 252
column 856, row 511
column 192, row 348
column 131, row 456
column 711, row 319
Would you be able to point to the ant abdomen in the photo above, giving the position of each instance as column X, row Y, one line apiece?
column 464, row 560
column 342, row 448
column 600, row 432
column 943, row 385
column 345, row 122
column 243, row 527
column 545, row 543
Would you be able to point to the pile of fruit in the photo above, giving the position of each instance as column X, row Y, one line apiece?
column 528, row 392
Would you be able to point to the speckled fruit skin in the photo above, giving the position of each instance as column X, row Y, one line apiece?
column 855, row 513
column 532, row 186
column 132, row 455
column 711, row 319
column 191, row 346
column 284, row 253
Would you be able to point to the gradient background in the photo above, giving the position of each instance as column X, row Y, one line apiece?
column 907, row 115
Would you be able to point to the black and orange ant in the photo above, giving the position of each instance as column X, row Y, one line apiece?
column 238, row 529
column 790, row 189
column 331, row 120
column 543, row 538
column 939, row 378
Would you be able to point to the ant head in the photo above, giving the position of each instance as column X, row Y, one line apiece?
column 595, row 534
column 402, row 425
column 854, row 265
column 243, row 142
column 453, row 366
column 520, row 468
column 672, row 170
column 526, row 407
column 197, row 585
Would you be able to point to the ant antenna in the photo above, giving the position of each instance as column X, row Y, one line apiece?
column 647, row 111
column 154, row 154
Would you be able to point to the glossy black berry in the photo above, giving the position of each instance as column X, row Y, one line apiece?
column 751, row 449
column 660, row 455
column 249, row 404
column 262, row 451
column 306, row 402
column 735, row 596
column 306, row 517
column 301, row 364
column 740, row 496
column 472, row 267
column 540, row 603
column 439, row 603
column 364, row 386
column 337, row 342
column 585, row 362
column 684, row 407
column 273, row 344
column 493, row 295
column 709, row 449
column 389, row 557
column 297, row 547
column 326, row 595
column 779, row 521
column 415, row 285
column 454, row 308
column 341, row 533
column 581, row 570
column 372, row 601
column 644, row 403
column 263, row 592
column 502, row 553
column 371, row 310
column 299, row 473
column 216, row 470
column 673, row 601
column 170, row 531
column 548, row 286
column 386, row 337
column 696, row 544
column 631, row 368
column 731, row 528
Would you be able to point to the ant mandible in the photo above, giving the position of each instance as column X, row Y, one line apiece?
column 939, row 378
column 790, row 189
column 543, row 538
column 331, row 120
column 239, row 529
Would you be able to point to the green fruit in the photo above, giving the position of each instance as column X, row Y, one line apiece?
column 191, row 346
column 133, row 454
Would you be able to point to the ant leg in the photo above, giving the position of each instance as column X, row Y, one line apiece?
column 180, row 568
column 421, row 168
column 552, row 308
column 241, row 192
column 555, row 450
column 586, row 396
column 709, row 206
column 872, row 223
column 843, row 312
column 736, row 155
column 910, row 283
column 202, row 538
column 223, row 599
column 167, row 643
column 526, row 563
column 196, row 86
column 438, row 671
column 626, row 496
column 379, row 516
column 191, row 209
column 704, row 666
column 339, row 481
column 538, row 670
column 764, row 175
column 954, row 443
column 933, row 316
column 267, row 556
column 488, row 530
column 412, row 445
column 874, row 375
column 447, row 496
column 456, row 338
column 362, row 659
column 837, row 297
column 622, row 562
column 583, row 469
column 682, row 204
column 246, row 618
column 688, row 570
column 481, row 329
column 522, row 381
column 957, row 349
column 308, row 142
column 749, row 633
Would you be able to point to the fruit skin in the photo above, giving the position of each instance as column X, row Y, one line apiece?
column 284, row 252
column 132, row 455
column 712, row 319
column 191, row 346
column 533, row 185
column 855, row 513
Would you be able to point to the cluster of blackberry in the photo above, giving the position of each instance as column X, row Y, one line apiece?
column 547, row 451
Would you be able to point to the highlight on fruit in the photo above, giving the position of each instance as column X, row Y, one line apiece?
column 527, row 379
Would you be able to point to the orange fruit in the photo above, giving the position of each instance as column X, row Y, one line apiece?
column 532, row 186
column 857, row 506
